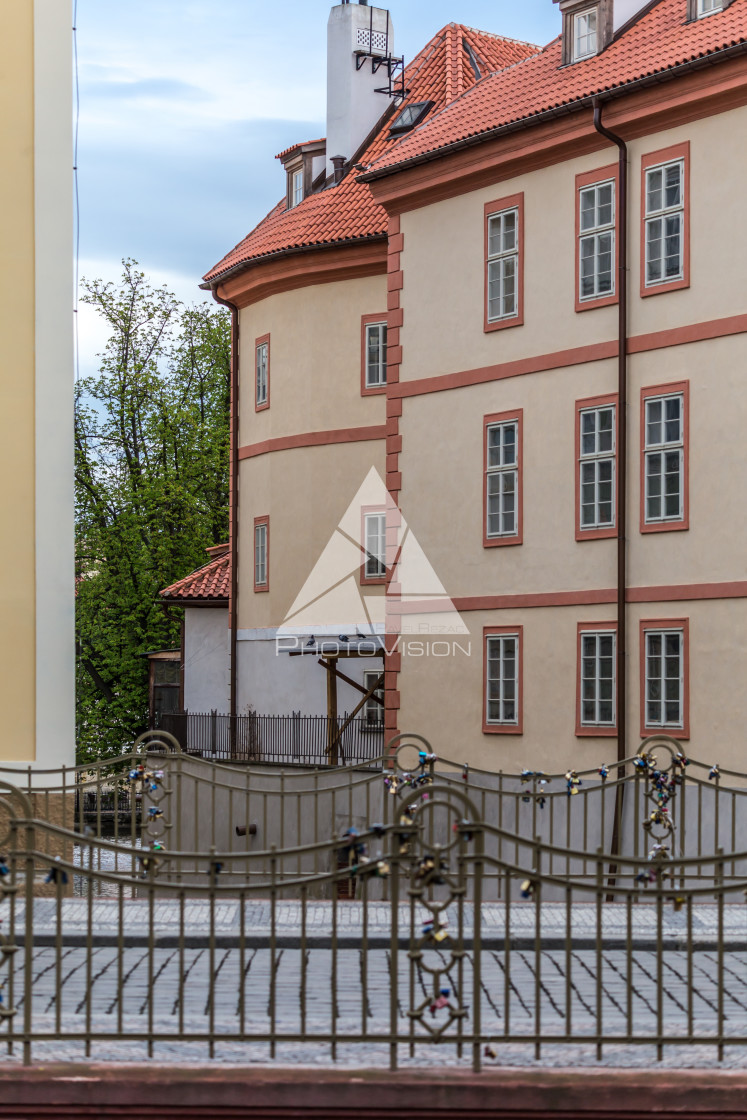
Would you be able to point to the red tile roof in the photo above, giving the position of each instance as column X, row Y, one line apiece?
column 441, row 72
column 297, row 147
column 209, row 584
column 660, row 40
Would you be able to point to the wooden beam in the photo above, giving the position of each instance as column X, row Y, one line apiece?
column 353, row 684
column 332, row 736
column 353, row 714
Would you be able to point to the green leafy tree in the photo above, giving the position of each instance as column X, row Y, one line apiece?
column 152, row 454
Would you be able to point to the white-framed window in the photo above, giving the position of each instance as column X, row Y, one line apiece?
column 502, row 680
column 297, row 187
column 260, row 554
column 664, row 458
column 585, row 33
column 597, row 467
column 374, row 529
column 664, row 678
column 262, row 382
column 596, row 249
column 376, row 340
column 503, row 265
column 502, row 480
column 373, row 711
column 707, row 7
column 665, row 223
column 598, row 678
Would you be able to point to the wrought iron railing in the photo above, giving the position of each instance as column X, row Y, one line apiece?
column 245, row 808
column 452, row 933
column 277, row 740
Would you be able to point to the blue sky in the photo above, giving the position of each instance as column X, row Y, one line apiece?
column 184, row 104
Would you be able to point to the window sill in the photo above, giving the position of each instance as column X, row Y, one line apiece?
column 596, row 534
column 502, row 542
column 596, row 732
column 672, row 732
column 660, row 289
column 593, row 304
column 503, row 324
column 501, row 729
column 373, row 391
column 666, row 526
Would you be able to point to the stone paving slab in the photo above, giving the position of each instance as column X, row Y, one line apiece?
column 241, row 998
column 520, row 928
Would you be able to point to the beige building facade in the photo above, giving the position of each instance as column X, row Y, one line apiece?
column 36, row 385
column 517, row 220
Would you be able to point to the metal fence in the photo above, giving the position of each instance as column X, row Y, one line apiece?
column 248, row 808
column 279, row 740
column 454, row 938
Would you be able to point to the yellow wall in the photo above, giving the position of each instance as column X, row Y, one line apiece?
column 17, row 373
column 37, row 659
column 315, row 386
column 442, row 458
column 443, row 324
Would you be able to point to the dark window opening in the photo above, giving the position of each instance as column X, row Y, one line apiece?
column 410, row 116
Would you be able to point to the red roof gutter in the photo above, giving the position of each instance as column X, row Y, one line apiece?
column 724, row 54
column 212, row 284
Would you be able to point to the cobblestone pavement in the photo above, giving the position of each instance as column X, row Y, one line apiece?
column 350, row 918
column 349, row 993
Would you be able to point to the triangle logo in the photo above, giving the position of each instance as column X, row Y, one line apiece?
column 373, row 545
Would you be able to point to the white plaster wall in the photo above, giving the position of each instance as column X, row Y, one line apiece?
column 206, row 659
column 353, row 105
column 53, row 203
column 625, row 10
column 276, row 684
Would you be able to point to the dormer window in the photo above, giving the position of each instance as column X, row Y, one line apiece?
column 587, row 28
column 296, row 191
column 304, row 166
column 708, row 7
column 410, row 117
column 585, row 34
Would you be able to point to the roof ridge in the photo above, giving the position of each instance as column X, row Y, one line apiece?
column 214, row 563
column 497, row 35
column 465, row 93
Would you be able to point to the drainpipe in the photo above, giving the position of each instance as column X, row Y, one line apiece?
column 622, row 468
column 234, row 506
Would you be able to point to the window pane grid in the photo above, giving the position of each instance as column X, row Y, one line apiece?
column 705, row 7
column 260, row 555
column 664, row 459
column 597, row 241
column 373, row 712
column 585, row 34
column 598, row 679
column 503, row 265
column 375, row 545
column 597, row 467
column 262, row 382
column 502, row 692
column 664, row 678
column 665, row 222
column 297, row 189
column 376, row 343
column 502, row 480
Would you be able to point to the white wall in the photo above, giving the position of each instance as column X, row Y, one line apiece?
column 53, row 203
column 275, row 683
column 206, row 659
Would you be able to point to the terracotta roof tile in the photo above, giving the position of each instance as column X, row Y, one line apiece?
column 297, row 147
column 441, row 72
column 208, row 584
column 658, row 41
